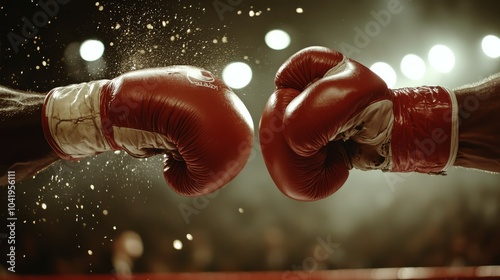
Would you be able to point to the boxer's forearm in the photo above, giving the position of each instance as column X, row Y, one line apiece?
column 479, row 129
column 24, row 148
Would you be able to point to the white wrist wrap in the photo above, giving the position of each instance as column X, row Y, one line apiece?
column 454, row 130
column 73, row 119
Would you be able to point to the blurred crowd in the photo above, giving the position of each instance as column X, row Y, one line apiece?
column 124, row 224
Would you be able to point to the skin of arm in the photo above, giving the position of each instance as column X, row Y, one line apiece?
column 479, row 128
column 24, row 148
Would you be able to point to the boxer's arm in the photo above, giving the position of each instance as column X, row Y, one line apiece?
column 23, row 145
column 479, row 130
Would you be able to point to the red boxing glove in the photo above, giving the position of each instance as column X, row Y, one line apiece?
column 329, row 114
column 184, row 112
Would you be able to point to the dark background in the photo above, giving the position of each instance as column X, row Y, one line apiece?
column 73, row 217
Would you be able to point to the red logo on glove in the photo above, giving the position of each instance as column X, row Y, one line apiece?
column 202, row 78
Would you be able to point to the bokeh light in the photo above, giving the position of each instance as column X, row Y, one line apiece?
column 237, row 75
column 413, row 67
column 442, row 58
column 91, row 50
column 277, row 39
column 132, row 244
column 177, row 244
column 491, row 46
column 386, row 72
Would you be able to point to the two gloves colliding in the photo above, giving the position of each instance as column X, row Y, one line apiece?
column 327, row 115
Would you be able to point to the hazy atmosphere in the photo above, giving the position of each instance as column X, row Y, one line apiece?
column 113, row 213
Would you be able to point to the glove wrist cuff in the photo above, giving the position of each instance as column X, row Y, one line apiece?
column 71, row 120
column 425, row 131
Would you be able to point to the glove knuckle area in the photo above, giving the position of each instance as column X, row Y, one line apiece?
column 209, row 125
column 300, row 119
column 306, row 66
column 306, row 178
column 210, row 159
column 214, row 151
column 322, row 110
column 299, row 177
column 306, row 122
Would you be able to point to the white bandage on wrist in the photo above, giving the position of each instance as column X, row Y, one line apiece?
column 74, row 121
column 454, row 130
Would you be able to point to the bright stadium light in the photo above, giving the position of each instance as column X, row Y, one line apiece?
column 91, row 50
column 442, row 58
column 413, row 67
column 277, row 39
column 237, row 75
column 386, row 72
column 491, row 46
